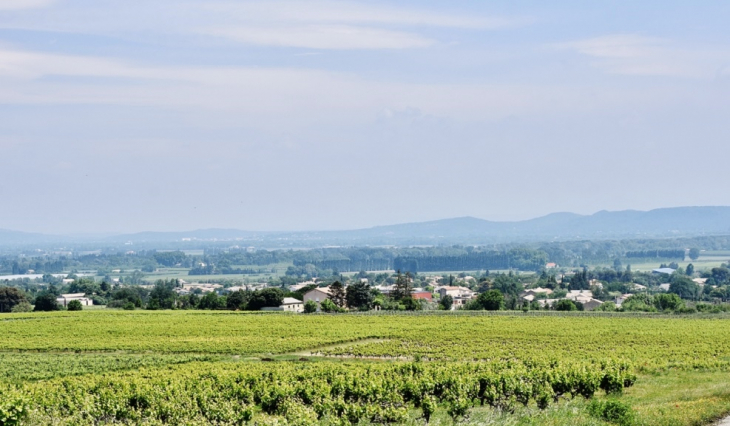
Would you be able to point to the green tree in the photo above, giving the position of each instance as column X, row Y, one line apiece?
column 579, row 281
column 411, row 304
column 163, row 294
column 668, row 301
column 84, row 285
column 492, row 300
column 640, row 302
column 446, row 302
column 310, row 307
column 683, row 287
column 125, row 295
column 337, row 294
column 694, row 253
column 236, row 301
column 10, row 297
column 74, row 305
column 271, row 297
column 565, row 305
column 402, row 286
column 210, row 301
column 508, row 284
column 329, row 306
column 45, row 302
column 359, row 296
column 690, row 270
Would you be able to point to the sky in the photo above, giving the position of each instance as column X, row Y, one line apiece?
column 131, row 115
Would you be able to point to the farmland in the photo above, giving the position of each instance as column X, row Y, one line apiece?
column 216, row 367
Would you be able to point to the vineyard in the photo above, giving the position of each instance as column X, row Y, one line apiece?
column 114, row 367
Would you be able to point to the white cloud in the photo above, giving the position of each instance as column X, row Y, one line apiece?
column 270, row 97
column 648, row 56
column 324, row 37
column 348, row 12
column 306, row 24
column 24, row 4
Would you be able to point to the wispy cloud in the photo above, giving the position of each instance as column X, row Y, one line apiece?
column 301, row 24
column 265, row 97
column 348, row 12
column 337, row 25
column 24, row 4
column 630, row 54
column 324, row 37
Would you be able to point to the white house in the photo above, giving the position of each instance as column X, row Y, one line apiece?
column 460, row 295
column 81, row 297
column 289, row 304
column 531, row 294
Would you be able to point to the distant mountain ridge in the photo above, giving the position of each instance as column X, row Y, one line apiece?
column 665, row 222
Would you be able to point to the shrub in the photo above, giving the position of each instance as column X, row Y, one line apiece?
column 565, row 305
column 411, row 304
column 74, row 305
column 607, row 307
column 310, row 307
column 13, row 408
column 129, row 306
column 22, row 307
column 612, row 411
column 329, row 306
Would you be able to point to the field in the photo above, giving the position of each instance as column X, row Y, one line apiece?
column 179, row 367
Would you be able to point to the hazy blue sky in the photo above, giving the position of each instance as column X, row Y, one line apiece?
column 129, row 115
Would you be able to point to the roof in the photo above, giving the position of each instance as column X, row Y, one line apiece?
column 325, row 290
column 422, row 295
column 290, row 301
column 73, row 295
column 668, row 271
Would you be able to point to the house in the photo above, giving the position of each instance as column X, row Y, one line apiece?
column 663, row 271
column 422, row 295
column 700, row 281
column 533, row 293
column 460, row 295
column 81, row 297
column 664, row 286
column 289, row 304
column 551, row 265
column 453, row 291
column 619, row 300
column 591, row 304
column 235, row 289
column 576, row 295
column 547, row 302
column 317, row 295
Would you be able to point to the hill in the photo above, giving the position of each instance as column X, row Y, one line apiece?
column 666, row 222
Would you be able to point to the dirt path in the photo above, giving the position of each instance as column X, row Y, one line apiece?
column 318, row 351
